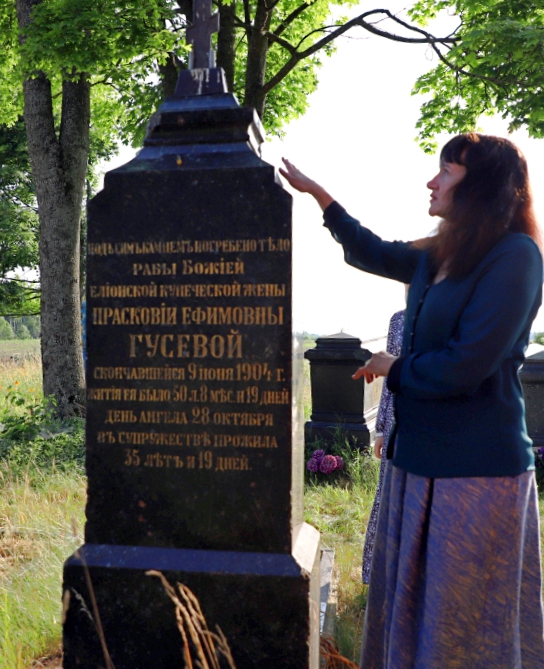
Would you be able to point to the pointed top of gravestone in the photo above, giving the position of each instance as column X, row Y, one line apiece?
column 199, row 34
column 340, row 339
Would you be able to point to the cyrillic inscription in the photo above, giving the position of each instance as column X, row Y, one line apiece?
column 191, row 390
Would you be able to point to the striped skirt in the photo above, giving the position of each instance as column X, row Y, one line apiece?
column 456, row 575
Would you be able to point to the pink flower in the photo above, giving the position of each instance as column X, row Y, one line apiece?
column 312, row 465
column 339, row 462
column 328, row 464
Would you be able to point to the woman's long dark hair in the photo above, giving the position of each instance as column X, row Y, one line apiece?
column 492, row 199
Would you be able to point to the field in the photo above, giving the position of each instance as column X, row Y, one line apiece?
column 19, row 349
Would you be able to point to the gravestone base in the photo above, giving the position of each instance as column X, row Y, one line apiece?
column 266, row 604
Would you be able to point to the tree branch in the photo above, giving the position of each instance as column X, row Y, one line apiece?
column 459, row 70
column 337, row 31
column 247, row 18
column 289, row 19
column 19, row 280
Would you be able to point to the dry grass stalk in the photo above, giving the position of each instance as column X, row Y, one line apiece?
column 331, row 655
column 97, row 622
column 197, row 639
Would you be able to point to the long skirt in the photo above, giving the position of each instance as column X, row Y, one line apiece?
column 456, row 575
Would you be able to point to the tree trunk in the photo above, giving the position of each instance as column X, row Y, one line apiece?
column 169, row 77
column 226, row 41
column 256, row 59
column 58, row 171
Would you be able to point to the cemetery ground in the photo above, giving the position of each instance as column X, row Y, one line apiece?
column 42, row 501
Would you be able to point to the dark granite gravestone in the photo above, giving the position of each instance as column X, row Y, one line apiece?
column 191, row 466
column 340, row 405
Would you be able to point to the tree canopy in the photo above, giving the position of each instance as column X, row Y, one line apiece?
column 494, row 66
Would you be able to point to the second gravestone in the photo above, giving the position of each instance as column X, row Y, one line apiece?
column 190, row 462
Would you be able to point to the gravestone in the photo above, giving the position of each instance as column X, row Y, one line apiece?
column 341, row 407
column 192, row 469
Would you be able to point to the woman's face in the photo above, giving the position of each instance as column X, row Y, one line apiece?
column 441, row 187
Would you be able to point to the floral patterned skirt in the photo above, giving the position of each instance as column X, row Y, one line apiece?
column 456, row 575
column 372, row 524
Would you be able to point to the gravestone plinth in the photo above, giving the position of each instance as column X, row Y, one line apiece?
column 192, row 469
column 338, row 402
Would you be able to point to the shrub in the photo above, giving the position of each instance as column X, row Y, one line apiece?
column 23, row 332
column 6, row 331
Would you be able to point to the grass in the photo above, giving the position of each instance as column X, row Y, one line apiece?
column 340, row 513
column 42, row 496
column 19, row 349
column 36, row 537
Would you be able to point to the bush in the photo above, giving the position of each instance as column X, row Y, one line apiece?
column 30, row 434
column 33, row 325
column 23, row 332
column 6, row 331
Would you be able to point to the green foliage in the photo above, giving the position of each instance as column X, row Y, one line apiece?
column 23, row 332
column 35, row 416
column 289, row 100
column 6, row 331
column 539, row 338
column 19, row 228
column 32, row 437
column 494, row 67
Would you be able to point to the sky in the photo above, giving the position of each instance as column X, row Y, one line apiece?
column 358, row 140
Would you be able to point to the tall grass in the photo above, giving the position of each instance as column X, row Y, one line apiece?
column 36, row 537
column 42, row 489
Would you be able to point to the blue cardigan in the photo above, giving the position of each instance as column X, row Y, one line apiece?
column 458, row 399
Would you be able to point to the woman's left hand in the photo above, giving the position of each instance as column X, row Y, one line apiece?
column 378, row 365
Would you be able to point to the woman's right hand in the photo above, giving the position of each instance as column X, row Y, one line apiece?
column 299, row 181
column 296, row 178
column 378, row 446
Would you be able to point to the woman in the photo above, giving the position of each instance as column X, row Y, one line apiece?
column 456, row 576
column 384, row 423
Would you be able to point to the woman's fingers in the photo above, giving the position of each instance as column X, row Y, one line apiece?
column 378, row 445
column 362, row 371
column 295, row 177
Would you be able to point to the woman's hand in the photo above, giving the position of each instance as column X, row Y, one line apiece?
column 378, row 365
column 299, row 181
column 378, row 445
